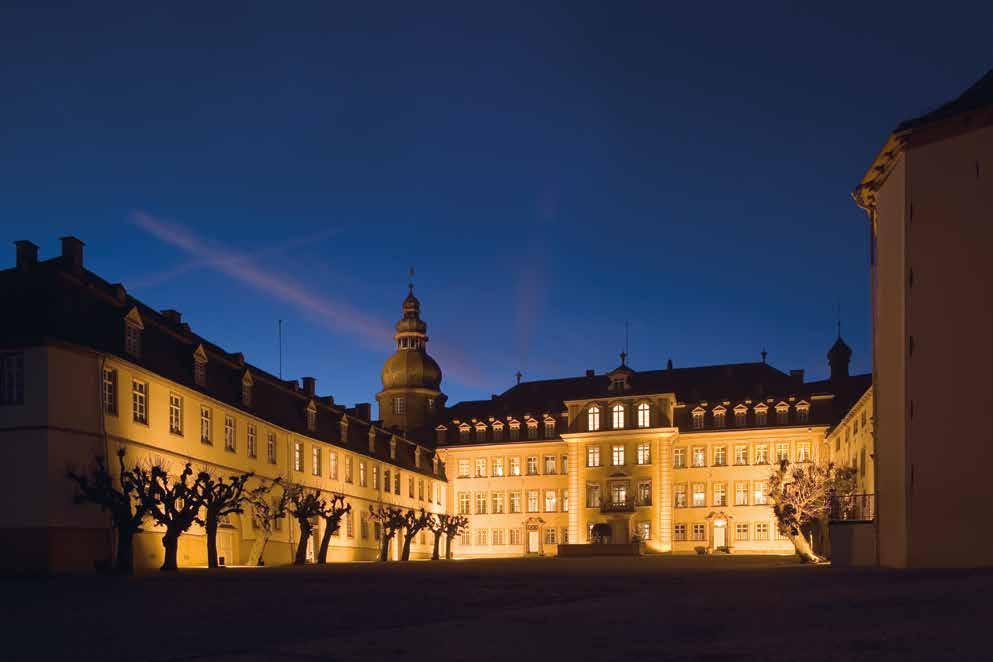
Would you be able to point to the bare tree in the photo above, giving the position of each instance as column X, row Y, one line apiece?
column 220, row 499
column 333, row 511
column 174, row 505
column 127, row 510
column 391, row 519
column 414, row 522
column 801, row 495
column 454, row 525
column 305, row 506
column 436, row 526
column 267, row 510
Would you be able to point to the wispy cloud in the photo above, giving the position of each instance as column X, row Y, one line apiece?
column 333, row 314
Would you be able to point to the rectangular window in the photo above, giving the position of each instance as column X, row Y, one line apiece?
column 740, row 417
column 533, row 430
column 364, row 526
column 175, row 414
column 350, row 524
column 565, row 501
column 362, row 475
column 760, row 416
column 410, row 487
column 762, row 454
column 348, row 472
column 699, row 495
column 481, row 467
column 206, row 425
column 515, row 431
column 497, row 433
column 481, row 537
column 311, row 419
column 533, row 465
column 593, row 456
column 480, row 503
column 315, row 468
column 550, row 536
column 333, row 466
column 497, row 536
column 803, row 452
column 375, row 475
column 498, row 466
column 741, row 493
column 699, row 532
column 396, row 481
column 644, row 530
column 229, row 438
column 782, row 451
column 644, row 453
column 549, row 464
column 741, row 531
column 803, row 415
column 399, row 405
column 698, row 420
column 782, row 415
column 699, row 456
column 617, row 455
column 741, row 454
column 253, row 441
column 466, row 538
column 644, row 493
column 515, row 466
column 498, row 503
column 761, row 530
column 551, row 501
column 132, row 339
column 679, row 458
column 463, row 468
column 515, row 502
column 760, row 493
column 246, row 394
column 679, row 532
column 12, row 379
column 200, row 372
column 298, row 455
column 464, row 503
column 679, row 490
column 515, row 536
column 720, row 494
column 270, row 447
column 139, row 401
column 549, row 429
column 565, row 465
column 532, row 501
column 386, row 480
column 720, row 456
column 592, row 495
column 481, row 433
column 109, row 392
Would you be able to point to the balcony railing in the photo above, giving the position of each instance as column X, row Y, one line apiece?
column 853, row 508
column 626, row 506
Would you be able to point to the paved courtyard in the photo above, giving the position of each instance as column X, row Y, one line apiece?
column 679, row 608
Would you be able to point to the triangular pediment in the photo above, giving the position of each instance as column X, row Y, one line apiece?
column 134, row 317
column 311, row 406
column 199, row 354
column 247, row 380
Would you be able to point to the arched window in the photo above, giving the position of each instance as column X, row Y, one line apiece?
column 644, row 415
column 593, row 418
column 617, row 416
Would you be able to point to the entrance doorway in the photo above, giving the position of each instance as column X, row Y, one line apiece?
column 720, row 534
column 534, row 542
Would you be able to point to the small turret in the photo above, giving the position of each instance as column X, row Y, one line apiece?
column 839, row 356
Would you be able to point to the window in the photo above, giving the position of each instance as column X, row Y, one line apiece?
column 109, row 391
column 761, row 530
column 679, row 458
column 298, row 455
column 532, row 465
column 803, row 414
column 699, row 495
column 515, row 466
column 139, row 401
column 761, row 412
column 644, row 453
column 741, row 454
column 550, row 464
column 593, row 418
column 644, row 493
column 480, row 503
column 740, row 416
column 396, row 479
column 253, row 441
column 803, row 452
column 617, row 416
column 246, row 394
column 644, row 415
column 760, row 493
column 698, row 419
column 550, row 536
column 699, row 532
column 364, row 526
column 333, row 466
column 741, row 531
column 719, row 417
column 741, row 494
column 132, row 339
column 617, row 455
column 464, row 431
column 410, row 487
column 551, row 501
column 720, row 494
column 549, row 429
column 375, row 475
column 619, row 491
column 270, row 447
column 699, row 457
column 565, row 501
column 498, row 431
column 363, row 481
column 532, row 429
column 782, row 451
column 515, row 502
column 515, row 431
column 762, row 454
column 679, row 491
column 593, row 456
column 481, row 467
column 481, row 537
column 592, row 495
column 644, row 530
column 497, row 499
column 565, row 536
column 515, row 536
column 399, row 405
column 206, row 427
column 466, row 538
column 199, row 371
column 463, row 468
column 315, row 461
column 463, row 503
column 229, row 436
column 498, row 466
column 532, row 501
column 175, row 414
column 311, row 419
column 350, row 524
column 720, row 456
column 565, row 465
column 497, row 536
column 348, row 473
column 782, row 413
column 679, row 532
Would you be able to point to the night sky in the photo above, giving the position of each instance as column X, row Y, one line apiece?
column 552, row 172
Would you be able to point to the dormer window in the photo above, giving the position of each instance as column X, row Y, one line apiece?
column 481, row 431
column 464, row 432
column 761, row 414
column 549, row 428
column 593, row 418
column 782, row 413
column 497, row 431
column 434, row 465
column 644, row 415
column 803, row 413
column 617, row 416
column 515, row 430
column 200, row 367
column 740, row 416
column 417, row 457
column 311, row 417
column 132, row 339
column 532, row 429
column 246, row 390
column 719, row 413
column 393, row 448
column 697, row 415
column 440, row 434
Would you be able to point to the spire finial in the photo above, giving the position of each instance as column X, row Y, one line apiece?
column 518, row 375
column 764, row 354
column 626, row 327
column 839, row 320
column 624, row 358
column 410, row 279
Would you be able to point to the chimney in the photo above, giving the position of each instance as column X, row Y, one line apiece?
column 309, row 386
column 72, row 253
column 173, row 316
column 27, row 254
column 590, row 373
column 797, row 376
column 363, row 410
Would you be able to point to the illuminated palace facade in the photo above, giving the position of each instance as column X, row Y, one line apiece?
column 678, row 458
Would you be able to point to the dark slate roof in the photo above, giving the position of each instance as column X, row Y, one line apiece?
column 979, row 95
column 50, row 302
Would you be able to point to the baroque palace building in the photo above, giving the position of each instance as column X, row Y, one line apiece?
column 678, row 457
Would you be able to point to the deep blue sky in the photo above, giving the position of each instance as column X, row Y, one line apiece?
column 551, row 172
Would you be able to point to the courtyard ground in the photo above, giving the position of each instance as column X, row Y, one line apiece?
column 652, row 608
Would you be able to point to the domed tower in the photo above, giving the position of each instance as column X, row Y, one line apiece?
column 411, row 392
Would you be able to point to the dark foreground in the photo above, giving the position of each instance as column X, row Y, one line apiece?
column 681, row 608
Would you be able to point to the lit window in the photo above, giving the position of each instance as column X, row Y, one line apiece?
column 393, row 448
column 762, row 454
column 593, row 418
column 515, row 502
column 759, row 493
column 229, row 438
column 550, row 536
column 551, row 501
column 741, row 454
column 679, row 490
column 132, row 339
column 139, row 402
column 333, row 466
column 741, row 494
column 679, row 532
column 679, row 458
column 175, row 414
column 270, row 447
column 644, row 530
column 619, row 491
column 109, row 389
column 741, row 531
column 253, row 441
column 375, row 476
column 549, row 428
column 515, row 430
column 533, row 465
column 481, row 537
column 617, row 416
column 644, row 415
column 549, row 464
column 206, row 429
column 298, row 456
column 803, row 414
column 396, row 480
column 593, row 456
column 761, row 531
column 782, row 452
column 803, row 452
column 481, row 467
column 592, row 495
column 699, row 495
column 348, row 472
column 719, row 417
column 515, row 466
column 617, row 455
column 645, row 493
column 463, row 468
column 720, row 494
column 362, row 475
column 532, row 501
column 316, row 461
column 720, row 456
column 699, row 532
column 497, row 536
column 498, row 466
column 410, row 487
column 565, row 465
column 498, row 503
column 565, row 501
column 699, row 457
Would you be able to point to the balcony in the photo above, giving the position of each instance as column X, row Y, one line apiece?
column 626, row 506
column 853, row 508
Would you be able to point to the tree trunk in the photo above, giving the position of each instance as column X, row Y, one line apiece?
column 170, row 542
column 301, row 556
column 437, row 544
column 448, row 547
column 125, row 551
column 408, row 538
column 211, row 531
column 322, row 554
column 258, row 547
column 803, row 549
column 384, row 549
